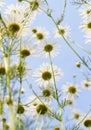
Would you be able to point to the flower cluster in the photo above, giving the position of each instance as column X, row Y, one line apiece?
column 33, row 89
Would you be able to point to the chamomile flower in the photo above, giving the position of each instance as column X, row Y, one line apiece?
column 35, row 107
column 86, row 84
column 36, row 5
column 86, row 124
column 48, row 93
column 27, row 48
column 76, row 116
column 49, row 47
column 16, row 9
column 64, row 30
column 56, row 128
column 15, row 25
column 2, row 70
column 43, row 75
column 85, row 12
column 71, row 90
column 40, row 35
column 86, row 26
column 17, row 20
column 22, row 69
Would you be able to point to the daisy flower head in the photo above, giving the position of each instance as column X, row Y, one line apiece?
column 71, row 90
column 36, row 5
column 56, row 128
column 15, row 25
column 43, row 75
column 86, row 124
column 40, row 34
column 86, row 26
column 27, row 48
column 35, row 107
column 17, row 21
column 76, row 116
column 86, row 84
column 16, row 9
column 49, row 47
column 63, row 30
column 85, row 12
column 48, row 93
column 22, row 69
column 2, row 70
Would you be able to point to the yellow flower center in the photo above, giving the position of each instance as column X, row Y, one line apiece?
column 41, row 109
column 46, row 75
column 48, row 48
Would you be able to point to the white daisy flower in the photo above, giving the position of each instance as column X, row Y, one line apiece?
column 22, row 69
column 36, row 5
column 15, row 25
column 86, row 123
column 86, row 84
column 85, row 12
column 56, row 128
column 71, row 90
column 44, row 75
column 63, row 30
column 87, row 37
column 76, row 116
column 49, row 47
column 86, row 26
column 35, row 107
column 17, row 20
column 27, row 49
column 16, row 9
column 48, row 93
column 40, row 35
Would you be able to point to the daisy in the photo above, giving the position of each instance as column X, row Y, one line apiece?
column 56, row 128
column 16, row 21
column 76, row 116
column 15, row 9
column 27, row 49
column 44, row 75
column 86, row 84
column 40, row 34
column 85, row 12
column 71, row 90
column 48, row 93
column 15, row 25
column 35, row 107
column 86, row 124
column 2, row 70
column 86, row 26
column 36, row 5
column 49, row 47
column 64, row 30
column 22, row 69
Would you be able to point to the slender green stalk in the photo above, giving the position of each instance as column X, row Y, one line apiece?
column 7, row 69
column 53, row 76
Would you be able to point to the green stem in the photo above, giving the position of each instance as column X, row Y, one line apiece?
column 76, row 53
column 7, row 69
column 53, row 76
